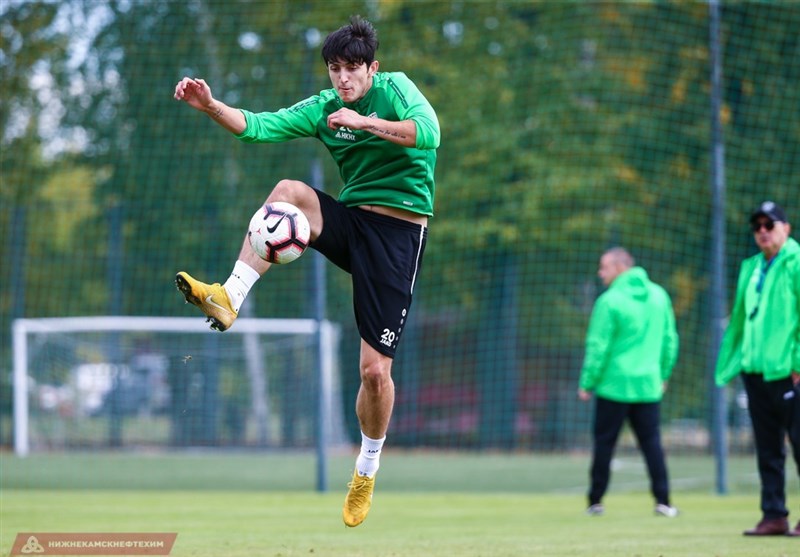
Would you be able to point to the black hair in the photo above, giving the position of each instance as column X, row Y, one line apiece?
column 355, row 43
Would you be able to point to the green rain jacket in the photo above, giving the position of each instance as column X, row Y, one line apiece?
column 763, row 335
column 632, row 342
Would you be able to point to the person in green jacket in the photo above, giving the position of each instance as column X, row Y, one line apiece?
column 762, row 344
column 631, row 348
column 383, row 134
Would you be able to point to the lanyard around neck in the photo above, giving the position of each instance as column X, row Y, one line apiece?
column 760, row 284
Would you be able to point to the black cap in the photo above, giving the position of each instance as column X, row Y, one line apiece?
column 771, row 210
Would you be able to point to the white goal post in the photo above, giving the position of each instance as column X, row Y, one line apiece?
column 326, row 331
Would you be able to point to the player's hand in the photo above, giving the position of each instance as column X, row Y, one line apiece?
column 344, row 117
column 584, row 395
column 195, row 92
column 795, row 378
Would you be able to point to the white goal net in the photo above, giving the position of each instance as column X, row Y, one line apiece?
column 94, row 382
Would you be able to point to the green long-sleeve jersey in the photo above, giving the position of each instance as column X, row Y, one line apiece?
column 375, row 171
column 632, row 341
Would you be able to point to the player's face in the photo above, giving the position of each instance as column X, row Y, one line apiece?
column 608, row 270
column 770, row 235
column 351, row 81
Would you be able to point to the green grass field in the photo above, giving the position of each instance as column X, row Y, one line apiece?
column 426, row 504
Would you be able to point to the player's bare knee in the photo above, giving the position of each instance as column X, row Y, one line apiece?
column 302, row 196
column 375, row 376
column 290, row 191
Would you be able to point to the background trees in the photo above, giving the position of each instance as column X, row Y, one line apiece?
column 567, row 128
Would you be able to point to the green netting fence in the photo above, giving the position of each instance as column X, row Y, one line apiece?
column 567, row 128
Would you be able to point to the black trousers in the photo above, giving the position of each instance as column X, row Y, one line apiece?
column 774, row 408
column 644, row 418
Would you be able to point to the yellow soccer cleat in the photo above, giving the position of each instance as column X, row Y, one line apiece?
column 358, row 500
column 212, row 299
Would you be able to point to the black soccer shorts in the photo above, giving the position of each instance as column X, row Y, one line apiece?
column 383, row 255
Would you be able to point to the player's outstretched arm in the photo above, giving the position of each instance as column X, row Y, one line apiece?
column 197, row 94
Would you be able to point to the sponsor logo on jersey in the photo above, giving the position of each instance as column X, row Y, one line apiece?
column 346, row 134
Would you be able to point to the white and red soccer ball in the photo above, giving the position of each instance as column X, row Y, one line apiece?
column 279, row 232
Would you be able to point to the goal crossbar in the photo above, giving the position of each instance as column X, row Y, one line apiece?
column 160, row 325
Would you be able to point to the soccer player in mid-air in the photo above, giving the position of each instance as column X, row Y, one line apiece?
column 383, row 134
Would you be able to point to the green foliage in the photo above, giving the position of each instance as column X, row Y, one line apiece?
column 567, row 127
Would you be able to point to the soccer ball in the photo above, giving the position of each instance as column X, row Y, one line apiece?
column 279, row 232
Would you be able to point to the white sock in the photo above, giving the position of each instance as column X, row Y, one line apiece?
column 368, row 460
column 238, row 285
